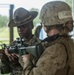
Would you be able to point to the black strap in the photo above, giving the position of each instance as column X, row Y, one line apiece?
column 51, row 38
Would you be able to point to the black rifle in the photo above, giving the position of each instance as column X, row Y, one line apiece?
column 22, row 48
column 36, row 50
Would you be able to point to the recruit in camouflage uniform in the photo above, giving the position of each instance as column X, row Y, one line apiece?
column 23, row 20
column 55, row 58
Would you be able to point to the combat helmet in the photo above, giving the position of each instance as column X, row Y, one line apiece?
column 55, row 13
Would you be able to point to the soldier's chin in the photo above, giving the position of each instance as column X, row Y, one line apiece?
column 21, row 35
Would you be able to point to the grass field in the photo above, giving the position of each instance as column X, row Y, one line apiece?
column 4, row 35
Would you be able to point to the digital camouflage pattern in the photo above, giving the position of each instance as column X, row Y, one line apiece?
column 55, row 13
column 58, row 56
column 54, row 60
column 17, row 69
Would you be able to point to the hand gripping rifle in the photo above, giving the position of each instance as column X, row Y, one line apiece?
column 21, row 48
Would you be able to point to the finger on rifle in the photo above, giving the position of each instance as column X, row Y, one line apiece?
column 6, row 52
column 15, row 55
column 11, row 58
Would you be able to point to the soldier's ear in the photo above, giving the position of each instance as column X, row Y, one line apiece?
column 69, row 25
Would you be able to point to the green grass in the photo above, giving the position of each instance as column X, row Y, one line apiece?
column 4, row 35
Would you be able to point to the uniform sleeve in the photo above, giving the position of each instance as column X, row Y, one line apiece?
column 5, row 69
column 52, row 59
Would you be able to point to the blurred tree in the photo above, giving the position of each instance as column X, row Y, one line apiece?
column 36, row 20
column 69, row 2
column 3, row 21
column 34, row 9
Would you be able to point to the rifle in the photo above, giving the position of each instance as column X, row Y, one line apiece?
column 35, row 50
column 21, row 48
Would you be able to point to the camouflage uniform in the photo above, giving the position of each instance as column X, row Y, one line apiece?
column 14, row 68
column 56, row 57
column 54, row 60
column 17, row 69
column 21, row 19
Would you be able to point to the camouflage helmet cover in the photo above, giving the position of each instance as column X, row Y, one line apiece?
column 55, row 13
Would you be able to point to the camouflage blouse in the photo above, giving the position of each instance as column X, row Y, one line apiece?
column 53, row 61
column 17, row 69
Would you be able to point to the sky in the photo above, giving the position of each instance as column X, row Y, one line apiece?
column 28, row 4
